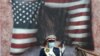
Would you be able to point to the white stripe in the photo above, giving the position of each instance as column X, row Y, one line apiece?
column 77, row 35
column 79, row 43
column 79, row 18
column 79, row 10
column 17, row 50
column 63, row 5
column 24, row 31
column 77, row 27
column 23, row 41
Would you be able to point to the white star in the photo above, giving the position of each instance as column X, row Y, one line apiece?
column 23, row 6
column 20, row 9
column 30, row 21
column 20, row 14
column 17, row 11
column 27, row 8
column 33, row 19
column 26, row 3
column 35, row 16
column 16, row 6
column 30, row 5
column 14, row 19
column 33, row 4
column 39, row 3
column 20, row 4
column 17, row 22
column 30, row 10
column 27, row 13
column 23, row 11
column 17, row 17
column 13, row 3
column 33, row 7
column 36, row 2
column 16, row 1
column 42, row 1
column 36, row 6
column 24, row 21
column 24, row 16
column 23, row 2
column 27, row 18
column 35, row 22
column 30, row 15
column 30, row 2
column 20, row 19
column 15, row 14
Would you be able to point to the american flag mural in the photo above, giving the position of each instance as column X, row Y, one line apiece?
column 25, row 14
column 67, row 19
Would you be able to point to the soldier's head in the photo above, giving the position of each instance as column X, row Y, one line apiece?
column 51, row 41
column 51, row 37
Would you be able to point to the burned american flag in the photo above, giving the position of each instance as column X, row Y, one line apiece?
column 67, row 19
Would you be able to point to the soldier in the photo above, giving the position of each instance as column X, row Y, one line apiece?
column 50, row 48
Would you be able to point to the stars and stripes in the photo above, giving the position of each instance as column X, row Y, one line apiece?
column 25, row 15
column 25, row 12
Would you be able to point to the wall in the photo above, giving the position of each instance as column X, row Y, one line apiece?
column 6, row 25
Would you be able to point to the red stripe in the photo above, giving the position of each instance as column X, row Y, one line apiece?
column 61, row 1
column 15, row 54
column 21, row 36
column 76, row 31
column 77, row 6
column 78, row 23
column 79, row 14
column 79, row 39
column 23, row 45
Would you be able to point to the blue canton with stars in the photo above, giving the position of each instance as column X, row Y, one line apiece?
column 25, row 14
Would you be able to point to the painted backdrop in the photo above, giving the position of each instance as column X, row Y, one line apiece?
column 6, row 26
